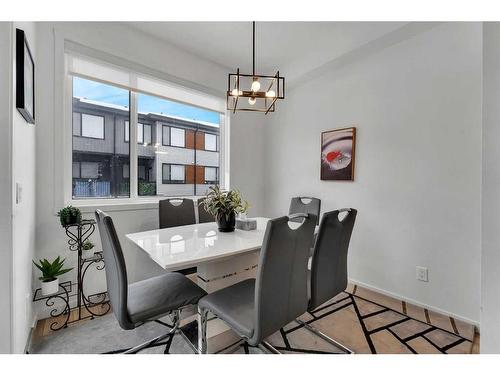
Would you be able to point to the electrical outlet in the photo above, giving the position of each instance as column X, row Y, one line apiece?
column 422, row 274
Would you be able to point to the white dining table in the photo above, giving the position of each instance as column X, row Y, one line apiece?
column 221, row 258
column 194, row 245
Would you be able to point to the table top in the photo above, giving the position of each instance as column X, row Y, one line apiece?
column 190, row 245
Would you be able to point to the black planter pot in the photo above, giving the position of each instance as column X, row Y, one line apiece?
column 226, row 225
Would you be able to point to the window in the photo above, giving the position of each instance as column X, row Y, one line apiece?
column 89, row 170
column 165, row 135
column 210, row 142
column 175, row 165
column 126, row 171
column 100, row 169
column 76, row 170
column 143, row 133
column 173, row 174
column 180, row 152
column 177, row 137
column 211, row 175
column 146, row 134
column 92, row 126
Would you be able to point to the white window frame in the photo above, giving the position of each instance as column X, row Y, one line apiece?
column 63, row 166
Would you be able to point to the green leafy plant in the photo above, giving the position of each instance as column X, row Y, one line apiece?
column 69, row 215
column 51, row 271
column 87, row 245
column 219, row 202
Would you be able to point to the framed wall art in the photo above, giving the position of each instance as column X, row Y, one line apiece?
column 25, row 78
column 338, row 149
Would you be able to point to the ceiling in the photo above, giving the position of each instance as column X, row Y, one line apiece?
column 292, row 47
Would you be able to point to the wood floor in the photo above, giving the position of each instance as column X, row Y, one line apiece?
column 363, row 320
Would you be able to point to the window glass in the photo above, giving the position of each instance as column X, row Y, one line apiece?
column 165, row 135
column 89, row 169
column 147, row 134
column 77, row 118
column 210, row 174
column 210, row 142
column 101, row 157
column 126, row 171
column 177, row 172
column 126, row 129
column 92, row 126
column 76, row 170
column 140, row 133
column 165, row 173
column 177, row 137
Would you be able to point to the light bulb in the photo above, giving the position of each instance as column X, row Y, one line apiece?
column 255, row 85
column 270, row 94
column 251, row 101
column 235, row 92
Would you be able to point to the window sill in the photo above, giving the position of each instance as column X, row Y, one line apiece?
column 110, row 205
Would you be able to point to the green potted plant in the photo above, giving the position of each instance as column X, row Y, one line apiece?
column 86, row 249
column 50, row 273
column 69, row 215
column 224, row 205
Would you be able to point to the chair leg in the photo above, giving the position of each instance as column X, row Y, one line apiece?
column 266, row 346
column 175, row 320
column 202, row 330
column 328, row 339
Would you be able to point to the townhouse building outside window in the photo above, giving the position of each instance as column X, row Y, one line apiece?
column 177, row 148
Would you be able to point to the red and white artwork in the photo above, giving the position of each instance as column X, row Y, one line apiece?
column 337, row 154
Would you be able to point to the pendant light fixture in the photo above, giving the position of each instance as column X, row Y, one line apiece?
column 254, row 92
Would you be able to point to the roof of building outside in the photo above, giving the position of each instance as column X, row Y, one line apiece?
column 125, row 108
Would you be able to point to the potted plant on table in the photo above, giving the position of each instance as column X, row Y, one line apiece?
column 50, row 273
column 86, row 249
column 224, row 205
column 69, row 215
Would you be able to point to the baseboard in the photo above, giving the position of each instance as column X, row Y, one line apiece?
column 417, row 303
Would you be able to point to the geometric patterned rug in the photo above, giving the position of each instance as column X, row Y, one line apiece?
column 363, row 320
column 370, row 322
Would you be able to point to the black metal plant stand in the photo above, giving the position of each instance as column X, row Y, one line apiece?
column 77, row 235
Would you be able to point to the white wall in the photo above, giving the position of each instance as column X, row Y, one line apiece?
column 126, row 44
column 417, row 109
column 23, row 173
column 17, row 229
column 247, row 158
column 5, row 185
column 490, row 259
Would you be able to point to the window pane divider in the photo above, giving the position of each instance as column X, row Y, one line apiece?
column 134, row 184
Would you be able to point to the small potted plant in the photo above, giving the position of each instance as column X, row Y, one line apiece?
column 86, row 249
column 69, row 215
column 224, row 205
column 50, row 274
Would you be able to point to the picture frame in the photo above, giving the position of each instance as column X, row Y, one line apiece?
column 338, row 154
column 25, row 78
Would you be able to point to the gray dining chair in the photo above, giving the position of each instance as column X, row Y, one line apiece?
column 298, row 205
column 256, row 308
column 143, row 301
column 328, row 276
column 203, row 215
column 175, row 212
